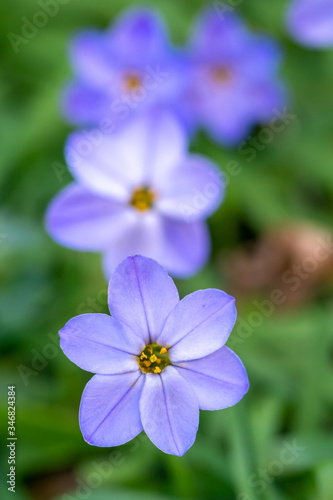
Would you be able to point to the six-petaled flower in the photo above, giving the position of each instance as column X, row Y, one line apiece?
column 233, row 77
column 157, row 360
column 124, row 71
column 138, row 191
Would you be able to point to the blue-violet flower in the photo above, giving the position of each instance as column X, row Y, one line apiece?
column 124, row 71
column 233, row 83
column 138, row 191
column 311, row 22
column 157, row 360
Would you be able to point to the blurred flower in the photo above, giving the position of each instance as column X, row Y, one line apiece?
column 311, row 22
column 138, row 191
column 234, row 82
column 123, row 71
column 158, row 360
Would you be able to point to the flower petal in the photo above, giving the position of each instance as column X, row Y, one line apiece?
column 311, row 22
column 168, row 148
column 218, row 31
column 141, row 295
column 182, row 248
column 91, row 59
column 99, row 344
column 262, row 58
column 199, row 325
column 139, row 33
column 102, row 164
column 84, row 221
column 193, row 191
column 109, row 410
column 169, row 411
column 185, row 247
column 219, row 380
column 134, row 156
column 81, row 103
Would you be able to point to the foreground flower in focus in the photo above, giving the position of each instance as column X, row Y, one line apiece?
column 158, row 360
column 123, row 71
column 311, row 22
column 234, row 81
column 138, row 191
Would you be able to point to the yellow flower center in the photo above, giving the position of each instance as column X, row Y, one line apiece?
column 132, row 82
column 221, row 74
column 143, row 198
column 153, row 359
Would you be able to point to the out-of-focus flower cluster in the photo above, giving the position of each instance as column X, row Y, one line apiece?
column 224, row 80
column 137, row 189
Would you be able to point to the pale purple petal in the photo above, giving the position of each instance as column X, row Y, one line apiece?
column 311, row 22
column 218, row 32
column 83, row 104
column 90, row 58
column 141, row 295
column 267, row 99
column 219, row 380
column 185, row 247
column 135, row 156
column 167, row 146
column 137, row 34
column 99, row 344
column 109, row 165
column 262, row 57
column 199, row 325
column 169, row 411
column 84, row 221
column 182, row 248
column 109, row 410
column 193, row 191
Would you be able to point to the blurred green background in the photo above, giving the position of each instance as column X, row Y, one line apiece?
column 277, row 444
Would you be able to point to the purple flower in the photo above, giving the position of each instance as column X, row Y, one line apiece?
column 123, row 71
column 311, row 22
column 158, row 360
column 234, row 81
column 138, row 191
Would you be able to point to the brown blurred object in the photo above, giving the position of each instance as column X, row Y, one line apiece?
column 296, row 259
column 52, row 485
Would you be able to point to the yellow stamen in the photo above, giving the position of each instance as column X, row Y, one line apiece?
column 153, row 359
column 132, row 82
column 143, row 198
column 221, row 75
